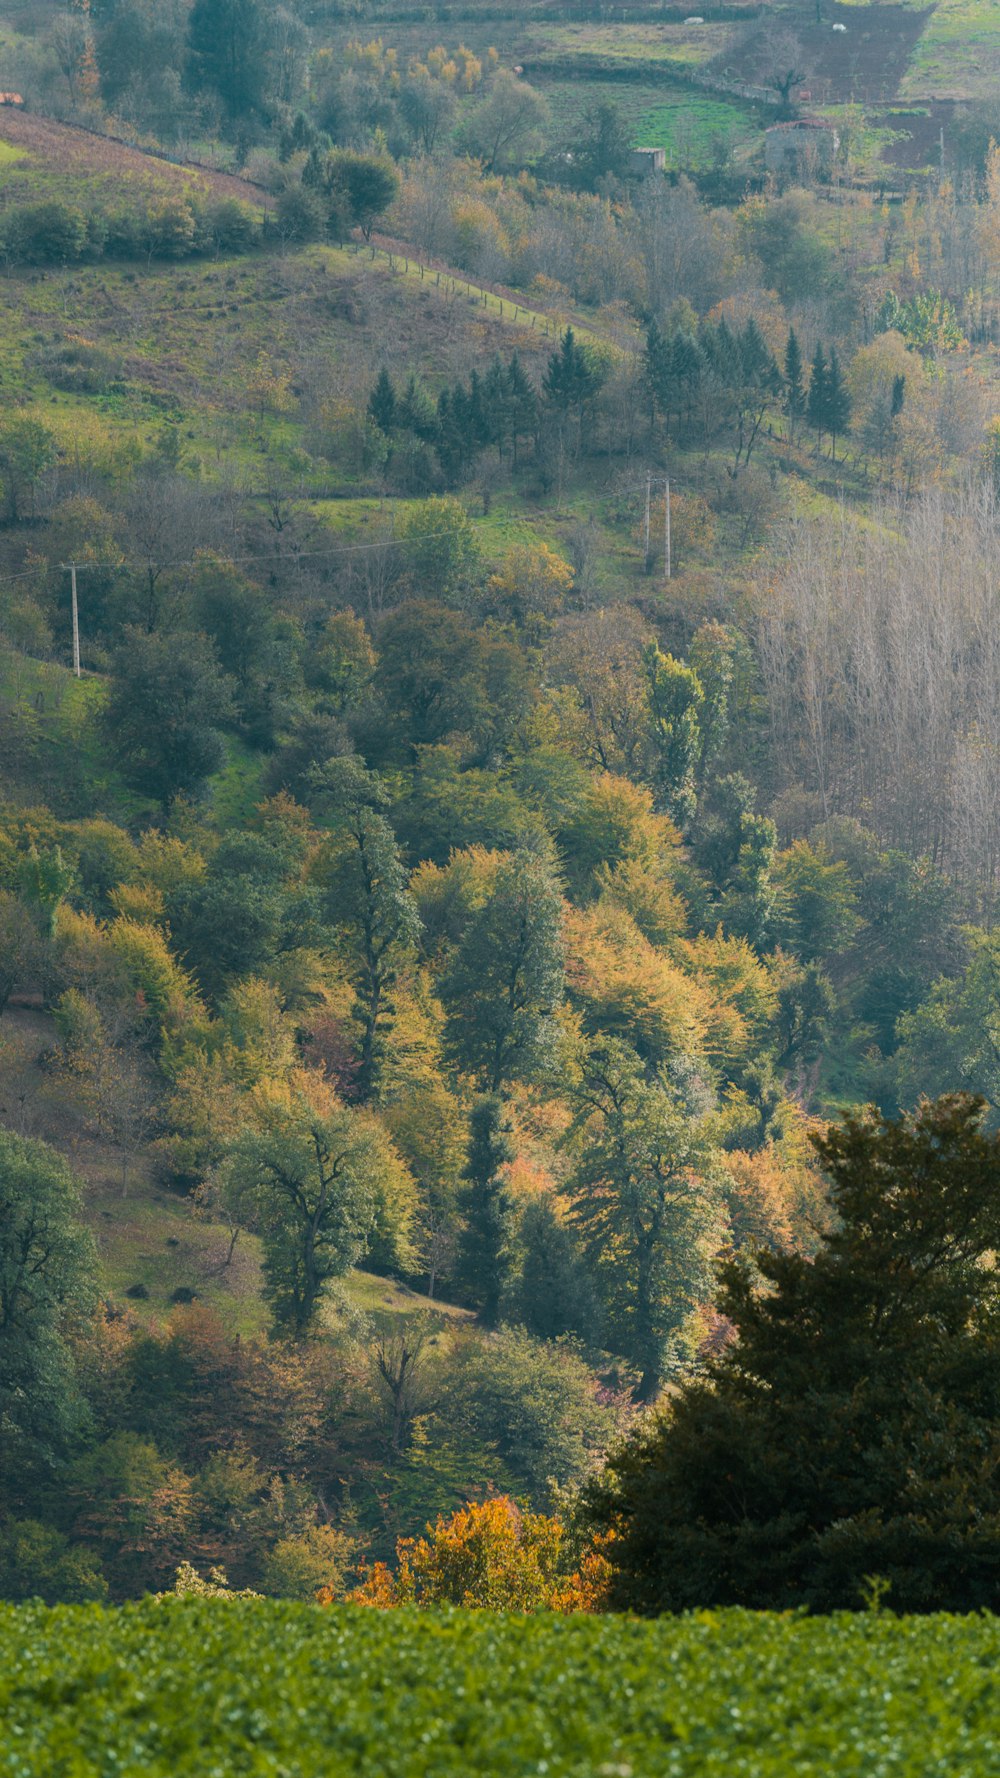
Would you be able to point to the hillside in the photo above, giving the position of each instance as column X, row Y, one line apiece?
column 529, row 783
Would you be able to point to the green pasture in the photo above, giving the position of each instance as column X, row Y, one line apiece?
column 688, row 124
column 684, row 46
column 958, row 53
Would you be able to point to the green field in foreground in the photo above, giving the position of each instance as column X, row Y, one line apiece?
column 205, row 1689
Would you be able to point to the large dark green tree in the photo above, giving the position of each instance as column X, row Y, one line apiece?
column 850, row 1430
column 255, row 646
column 605, row 148
column 795, row 394
column 161, row 721
column 816, row 400
column 228, row 44
column 47, row 1267
column 838, row 401
column 554, row 1294
column 313, row 1178
column 243, row 913
column 356, row 188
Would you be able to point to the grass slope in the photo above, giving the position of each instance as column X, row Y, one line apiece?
column 41, row 158
column 149, row 1236
column 202, row 1688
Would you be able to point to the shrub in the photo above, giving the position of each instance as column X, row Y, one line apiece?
column 488, row 1556
column 230, row 226
column 79, row 366
column 37, row 1562
column 311, row 1563
column 49, row 232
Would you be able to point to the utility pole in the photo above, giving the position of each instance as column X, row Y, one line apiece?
column 649, row 491
column 71, row 566
column 666, row 528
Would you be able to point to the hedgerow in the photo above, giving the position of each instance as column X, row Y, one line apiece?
column 203, row 1687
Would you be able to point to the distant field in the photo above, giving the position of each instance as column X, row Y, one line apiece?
column 958, row 54
column 201, row 1688
column 685, row 45
column 685, row 122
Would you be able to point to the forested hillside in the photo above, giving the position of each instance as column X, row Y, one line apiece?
column 498, row 734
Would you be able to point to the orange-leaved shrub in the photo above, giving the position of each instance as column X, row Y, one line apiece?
column 489, row 1556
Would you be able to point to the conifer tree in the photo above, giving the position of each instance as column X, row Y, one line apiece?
column 838, row 401
column 795, row 394
column 569, row 380
column 496, row 404
column 555, row 1295
column 382, row 402
column 850, row 1429
column 482, row 1263
column 523, row 402
column 658, row 367
column 816, row 405
column 415, row 411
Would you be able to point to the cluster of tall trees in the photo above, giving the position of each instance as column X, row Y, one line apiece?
column 501, row 410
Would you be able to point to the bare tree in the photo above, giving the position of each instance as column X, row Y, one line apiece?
column 399, row 1359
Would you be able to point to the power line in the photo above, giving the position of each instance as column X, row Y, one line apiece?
column 344, row 549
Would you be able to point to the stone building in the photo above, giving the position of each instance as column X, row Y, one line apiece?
column 804, row 148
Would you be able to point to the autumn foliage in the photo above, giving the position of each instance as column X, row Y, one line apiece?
column 489, row 1556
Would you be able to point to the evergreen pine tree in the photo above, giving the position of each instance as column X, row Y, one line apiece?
column 816, row 405
column 415, row 411
column 228, row 45
column 450, row 440
column 523, row 402
column 482, row 1263
column 479, row 425
column 686, row 364
column 658, row 368
column 496, row 405
column 795, row 394
column 838, row 401
column 569, row 380
column 382, row 402
column 555, row 1295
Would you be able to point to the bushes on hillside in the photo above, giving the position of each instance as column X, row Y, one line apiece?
column 165, row 227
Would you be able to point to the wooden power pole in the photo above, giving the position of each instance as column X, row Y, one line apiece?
column 649, row 492
column 71, row 566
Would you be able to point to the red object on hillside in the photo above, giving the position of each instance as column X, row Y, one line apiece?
column 11, row 99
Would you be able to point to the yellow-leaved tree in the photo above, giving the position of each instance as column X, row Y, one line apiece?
column 489, row 1556
column 323, row 1185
